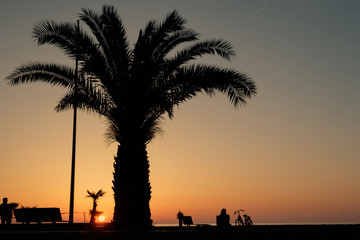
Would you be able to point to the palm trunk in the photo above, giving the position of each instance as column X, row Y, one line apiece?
column 132, row 191
column 92, row 218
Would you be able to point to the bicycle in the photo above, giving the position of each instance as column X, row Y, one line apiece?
column 239, row 221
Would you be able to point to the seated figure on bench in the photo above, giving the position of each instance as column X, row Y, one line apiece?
column 223, row 220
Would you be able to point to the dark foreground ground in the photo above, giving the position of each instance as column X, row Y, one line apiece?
column 82, row 232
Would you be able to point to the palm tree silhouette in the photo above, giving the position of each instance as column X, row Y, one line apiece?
column 133, row 88
column 95, row 196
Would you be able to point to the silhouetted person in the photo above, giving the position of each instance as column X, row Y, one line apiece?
column 6, row 212
column 223, row 220
column 180, row 216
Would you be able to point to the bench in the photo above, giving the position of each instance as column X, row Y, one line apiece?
column 38, row 215
column 187, row 220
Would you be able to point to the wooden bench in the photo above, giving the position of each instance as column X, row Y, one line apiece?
column 187, row 220
column 38, row 215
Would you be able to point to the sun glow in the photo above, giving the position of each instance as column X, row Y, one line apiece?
column 102, row 218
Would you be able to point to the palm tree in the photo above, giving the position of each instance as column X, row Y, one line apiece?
column 133, row 88
column 95, row 196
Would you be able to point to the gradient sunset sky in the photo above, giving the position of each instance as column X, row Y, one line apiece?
column 292, row 155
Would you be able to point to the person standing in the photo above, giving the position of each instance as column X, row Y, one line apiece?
column 5, row 212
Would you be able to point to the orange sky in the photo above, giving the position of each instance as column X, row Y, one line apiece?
column 290, row 156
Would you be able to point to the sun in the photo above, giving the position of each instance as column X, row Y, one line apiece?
column 102, row 218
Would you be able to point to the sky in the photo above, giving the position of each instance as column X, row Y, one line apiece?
column 291, row 155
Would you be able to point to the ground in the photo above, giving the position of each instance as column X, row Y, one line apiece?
column 83, row 232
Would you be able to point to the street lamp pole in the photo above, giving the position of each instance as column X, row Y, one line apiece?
column 72, row 187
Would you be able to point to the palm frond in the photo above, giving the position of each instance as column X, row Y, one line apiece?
column 141, row 49
column 208, row 47
column 111, row 133
column 100, row 193
column 173, row 40
column 90, row 194
column 90, row 97
column 62, row 35
column 57, row 75
column 114, row 32
column 94, row 195
column 193, row 79
column 153, row 40
column 173, row 22
column 152, row 126
column 93, row 21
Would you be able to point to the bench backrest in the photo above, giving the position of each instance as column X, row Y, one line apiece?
column 187, row 220
column 37, row 214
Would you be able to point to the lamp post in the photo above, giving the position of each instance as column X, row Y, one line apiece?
column 72, row 184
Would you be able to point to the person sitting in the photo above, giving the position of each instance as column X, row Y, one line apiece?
column 223, row 220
